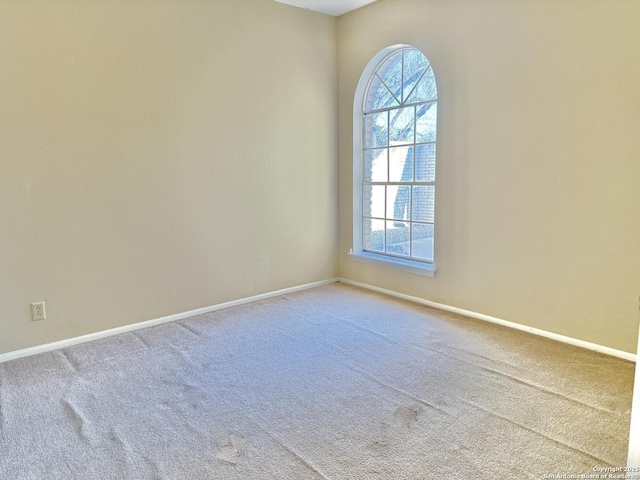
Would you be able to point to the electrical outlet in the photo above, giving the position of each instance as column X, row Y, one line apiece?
column 37, row 311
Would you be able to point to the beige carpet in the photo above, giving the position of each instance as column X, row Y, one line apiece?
column 334, row 382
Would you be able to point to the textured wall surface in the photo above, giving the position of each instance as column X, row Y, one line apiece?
column 538, row 169
column 157, row 157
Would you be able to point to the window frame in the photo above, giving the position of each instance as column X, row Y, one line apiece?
column 358, row 253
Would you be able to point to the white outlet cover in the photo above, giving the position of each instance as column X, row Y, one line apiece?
column 37, row 311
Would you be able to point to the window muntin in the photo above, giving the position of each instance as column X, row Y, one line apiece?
column 397, row 182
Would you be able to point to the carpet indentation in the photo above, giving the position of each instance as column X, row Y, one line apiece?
column 230, row 447
column 405, row 416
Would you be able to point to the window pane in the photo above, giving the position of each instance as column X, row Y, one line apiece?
column 375, row 129
column 414, row 65
column 373, row 201
column 426, row 163
column 401, row 164
column 373, row 234
column 426, row 122
column 378, row 96
column 398, row 238
column 423, row 203
column 375, row 165
column 398, row 202
column 391, row 74
column 425, row 90
column 422, row 241
column 401, row 123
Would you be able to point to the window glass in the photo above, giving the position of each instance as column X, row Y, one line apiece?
column 399, row 127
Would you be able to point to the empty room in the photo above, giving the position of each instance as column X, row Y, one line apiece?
column 307, row 239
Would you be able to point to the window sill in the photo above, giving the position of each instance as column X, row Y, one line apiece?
column 409, row 266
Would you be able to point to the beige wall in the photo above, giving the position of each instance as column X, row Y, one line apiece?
column 161, row 156
column 538, row 188
column 150, row 152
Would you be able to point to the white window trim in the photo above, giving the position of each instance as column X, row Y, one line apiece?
column 402, row 264
column 357, row 253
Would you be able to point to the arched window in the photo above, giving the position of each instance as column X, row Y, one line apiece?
column 395, row 116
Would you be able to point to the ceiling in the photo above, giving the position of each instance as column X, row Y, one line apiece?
column 330, row 7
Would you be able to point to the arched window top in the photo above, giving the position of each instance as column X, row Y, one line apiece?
column 403, row 78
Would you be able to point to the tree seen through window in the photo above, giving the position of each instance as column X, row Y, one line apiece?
column 398, row 185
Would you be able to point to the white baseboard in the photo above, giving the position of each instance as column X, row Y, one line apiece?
column 5, row 357
column 480, row 316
